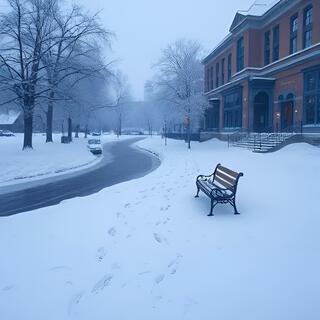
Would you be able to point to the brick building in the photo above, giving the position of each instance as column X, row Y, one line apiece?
column 265, row 75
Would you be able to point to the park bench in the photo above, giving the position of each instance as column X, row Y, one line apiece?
column 220, row 187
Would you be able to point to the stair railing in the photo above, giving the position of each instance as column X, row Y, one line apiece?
column 237, row 136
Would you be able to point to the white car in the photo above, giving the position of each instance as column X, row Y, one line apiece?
column 94, row 145
column 6, row 133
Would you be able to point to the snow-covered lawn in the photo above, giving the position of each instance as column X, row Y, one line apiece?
column 43, row 161
column 145, row 249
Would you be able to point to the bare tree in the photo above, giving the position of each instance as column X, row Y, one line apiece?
column 25, row 31
column 118, row 98
column 180, row 75
column 95, row 100
column 74, row 55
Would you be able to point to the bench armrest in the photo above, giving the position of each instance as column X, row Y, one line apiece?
column 203, row 177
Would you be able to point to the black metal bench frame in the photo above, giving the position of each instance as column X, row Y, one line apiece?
column 220, row 187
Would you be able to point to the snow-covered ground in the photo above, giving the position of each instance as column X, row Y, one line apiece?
column 43, row 161
column 145, row 249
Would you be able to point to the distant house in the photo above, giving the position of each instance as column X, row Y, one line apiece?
column 11, row 120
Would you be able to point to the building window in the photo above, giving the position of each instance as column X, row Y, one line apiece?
column 222, row 71
column 240, row 54
column 267, row 48
column 307, row 27
column 212, row 116
column 312, row 97
column 211, row 78
column 217, row 74
column 294, row 34
column 276, row 43
column 233, row 109
column 229, row 67
column 207, row 81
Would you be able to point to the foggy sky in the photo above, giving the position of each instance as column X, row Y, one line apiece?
column 144, row 27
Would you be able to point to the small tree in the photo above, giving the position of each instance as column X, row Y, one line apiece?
column 181, row 76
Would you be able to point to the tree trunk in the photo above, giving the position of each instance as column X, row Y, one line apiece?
column 165, row 133
column 77, row 131
column 120, row 127
column 49, row 115
column 28, row 130
column 86, row 132
column 188, row 133
column 70, row 129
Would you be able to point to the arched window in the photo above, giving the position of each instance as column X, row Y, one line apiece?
column 290, row 97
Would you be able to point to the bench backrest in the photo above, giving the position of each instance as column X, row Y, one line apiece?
column 226, row 177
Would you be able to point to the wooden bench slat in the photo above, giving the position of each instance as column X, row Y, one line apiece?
column 223, row 182
column 206, row 186
column 229, row 179
column 228, row 171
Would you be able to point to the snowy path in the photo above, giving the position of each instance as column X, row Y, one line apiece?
column 145, row 249
column 112, row 169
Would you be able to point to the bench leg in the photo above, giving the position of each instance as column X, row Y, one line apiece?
column 198, row 190
column 213, row 204
column 235, row 207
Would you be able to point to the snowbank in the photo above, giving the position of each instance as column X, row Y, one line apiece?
column 145, row 249
column 46, row 159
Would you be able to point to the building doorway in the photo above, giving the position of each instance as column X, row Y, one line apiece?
column 261, row 112
column 287, row 113
column 212, row 115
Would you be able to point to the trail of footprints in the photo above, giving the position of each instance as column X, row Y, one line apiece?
column 101, row 252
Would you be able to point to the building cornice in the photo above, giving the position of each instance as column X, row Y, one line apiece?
column 300, row 57
column 260, row 22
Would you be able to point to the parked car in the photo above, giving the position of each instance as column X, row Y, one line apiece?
column 94, row 146
column 96, row 134
column 6, row 133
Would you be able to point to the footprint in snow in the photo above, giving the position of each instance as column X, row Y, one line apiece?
column 127, row 205
column 159, row 238
column 159, row 279
column 75, row 301
column 101, row 253
column 162, row 222
column 112, row 232
column 119, row 215
column 166, row 208
column 102, row 284
column 173, row 265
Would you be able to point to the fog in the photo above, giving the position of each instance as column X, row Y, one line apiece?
column 144, row 27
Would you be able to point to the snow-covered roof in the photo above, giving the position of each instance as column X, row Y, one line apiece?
column 10, row 117
column 259, row 7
